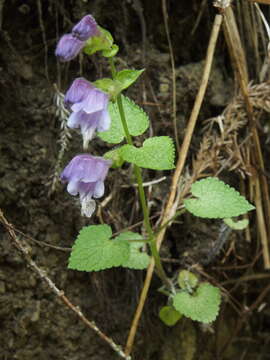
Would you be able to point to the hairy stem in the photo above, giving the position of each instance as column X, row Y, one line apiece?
column 138, row 174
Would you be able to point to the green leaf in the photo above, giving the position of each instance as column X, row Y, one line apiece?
column 115, row 156
column 111, row 52
column 93, row 250
column 127, row 77
column 137, row 121
column 156, row 153
column 236, row 225
column 137, row 259
column 215, row 199
column 107, row 85
column 187, row 280
column 169, row 315
column 202, row 306
column 104, row 41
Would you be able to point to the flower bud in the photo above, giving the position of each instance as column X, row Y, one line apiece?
column 85, row 28
column 68, row 47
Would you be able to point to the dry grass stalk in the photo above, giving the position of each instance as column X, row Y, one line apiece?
column 261, row 187
column 222, row 149
column 167, row 215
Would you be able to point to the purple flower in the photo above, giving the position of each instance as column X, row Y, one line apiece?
column 86, row 28
column 68, row 47
column 89, row 123
column 78, row 91
column 89, row 106
column 85, row 175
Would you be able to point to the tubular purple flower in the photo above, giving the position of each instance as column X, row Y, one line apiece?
column 78, row 91
column 68, row 47
column 85, row 28
column 89, row 123
column 85, row 175
column 89, row 106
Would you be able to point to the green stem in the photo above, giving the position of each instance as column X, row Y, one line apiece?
column 138, row 174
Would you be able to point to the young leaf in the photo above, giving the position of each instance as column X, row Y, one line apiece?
column 202, row 306
column 137, row 259
column 187, row 280
column 103, row 41
column 215, row 199
column 93, row 250
column 137, row 121
column 169, row 315
column 107, row 85
column 115, row 156
column 111, row 52
column 156, row 153
column 127, row 77
column 236, row 225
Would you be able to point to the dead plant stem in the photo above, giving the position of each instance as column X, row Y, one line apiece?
column 262, row 200
column 174, row 108
column 176, row 177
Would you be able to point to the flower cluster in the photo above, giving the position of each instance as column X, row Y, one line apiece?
column 85, row 173
column 70, row 45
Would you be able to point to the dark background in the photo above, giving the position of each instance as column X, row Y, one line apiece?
column 33, row 323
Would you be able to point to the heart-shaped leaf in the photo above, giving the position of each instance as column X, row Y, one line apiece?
column 169, row 315
column 215, row 199
column 156, row 153
column 137, row 260
column 93, row 250
column 201, row 306
column 136, row 118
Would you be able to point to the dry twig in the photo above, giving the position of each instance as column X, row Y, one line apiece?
column 59, row 293
column 176, row 177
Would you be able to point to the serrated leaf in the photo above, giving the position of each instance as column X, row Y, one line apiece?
column 157, row 153
column 187, row 280
column 137, row 121
column 137, row 260
column 236, row 225
column 127, row 77
column 169, row 315
column 93, row 250
column 215, row 199
column 202, row 306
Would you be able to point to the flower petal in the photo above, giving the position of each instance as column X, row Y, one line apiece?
column 78, row 91
column 99, row 189
column 104, row 121
column 72, row 187
column 68, row 47
column 88, row 206
column 86, row 28
column 96, row 100
column 88, row 136
column 74, row 120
